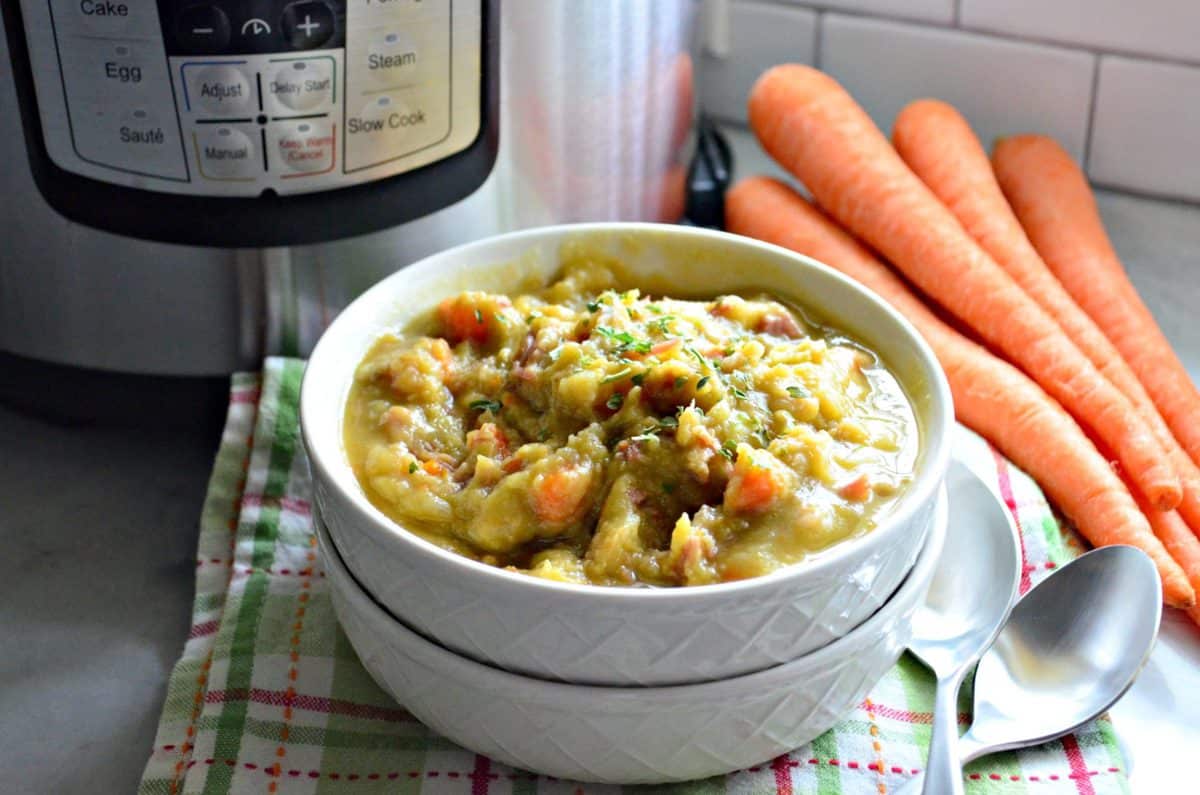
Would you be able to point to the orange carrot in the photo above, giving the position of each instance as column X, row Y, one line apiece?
column 990, row 395
column 808, row 123
column 1052, row 198
column 938, row 145
column 1181, row 543
column 462, row 320
column 557, row 496
column 752, row 488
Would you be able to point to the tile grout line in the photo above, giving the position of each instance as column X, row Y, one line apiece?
column 983, row 30
column 1089, row 132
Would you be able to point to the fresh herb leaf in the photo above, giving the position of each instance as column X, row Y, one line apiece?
column 704, row 380
column 697, row 355
column 729, row 449
column 615, row 400
column 669, row 421
column 593, row 306
column 485, row 405
column 737, row 393
column 412, row 467
column 680, row 380
column 638, row 378
column 617, row 376
column 797, row 392
column 655, row 308
column 662, row 324
column 668, row 488
column 625, row 340
column 478, row 316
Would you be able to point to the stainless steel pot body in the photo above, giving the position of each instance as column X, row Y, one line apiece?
column 596, row 106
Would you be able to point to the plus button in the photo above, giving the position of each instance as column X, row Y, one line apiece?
column 308, row 26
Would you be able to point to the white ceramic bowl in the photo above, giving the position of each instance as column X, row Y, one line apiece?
column 606, row 635
column 628, row 735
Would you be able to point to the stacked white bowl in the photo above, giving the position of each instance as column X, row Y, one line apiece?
column 611, row 684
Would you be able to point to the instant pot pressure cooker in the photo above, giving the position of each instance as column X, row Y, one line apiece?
column 192, row 184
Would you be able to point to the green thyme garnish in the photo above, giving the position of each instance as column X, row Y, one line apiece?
column 797, row 392
column 478, row 316
column 638, row 378
column 625, row 340
column 615, row 400
column 737, row 393
column 593, row 306
column 655, row 308
column 617, row 376
column 680, row 380
column 412, row 467
column 699, row 357
column 484, row 404
column 704, row 380
column 669, row 421
column 729, row 449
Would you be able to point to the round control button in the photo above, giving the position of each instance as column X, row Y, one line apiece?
column 202, row 28
column 392, row 58
column 305, row 146
column 301, row 84
column 221, row 89
column 226, row 153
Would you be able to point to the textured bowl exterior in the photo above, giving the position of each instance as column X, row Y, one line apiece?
column 605, row 643
column 614, row 636
column 628, row 735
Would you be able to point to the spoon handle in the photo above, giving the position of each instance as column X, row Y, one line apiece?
column 943, row 773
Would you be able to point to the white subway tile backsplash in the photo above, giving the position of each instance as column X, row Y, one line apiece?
column 1159, row 28
column 1002, row 86
column 760, row 36
column 1146, row 127
column 938, row 11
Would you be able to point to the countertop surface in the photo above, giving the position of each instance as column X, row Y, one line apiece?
column 99, row 528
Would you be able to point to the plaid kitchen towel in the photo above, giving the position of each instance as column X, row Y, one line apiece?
column 270, row 697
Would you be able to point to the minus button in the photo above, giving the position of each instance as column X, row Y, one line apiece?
column 202, row 29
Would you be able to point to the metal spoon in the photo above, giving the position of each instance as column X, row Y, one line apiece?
column 973, row 591
column 1072, row 647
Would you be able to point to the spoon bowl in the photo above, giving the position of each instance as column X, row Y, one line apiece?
column 976, row 581
column 973, row 590
column 1072, row 647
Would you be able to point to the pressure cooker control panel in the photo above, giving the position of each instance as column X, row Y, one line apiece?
column 238, row 97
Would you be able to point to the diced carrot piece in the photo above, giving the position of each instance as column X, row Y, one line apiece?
column 433, row 467
column 558, row 495
column 857, row 490
column 462, row 321
column 752, row 488
column 665, row 346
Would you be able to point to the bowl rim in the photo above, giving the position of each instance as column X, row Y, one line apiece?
column 938, row 440
column 494, row 679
